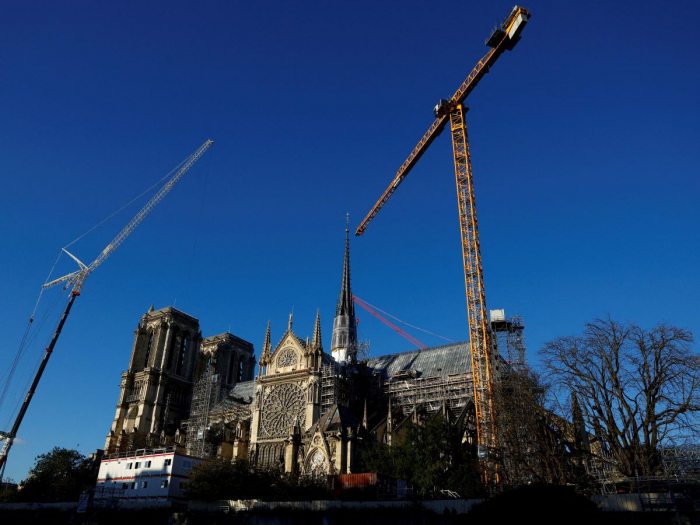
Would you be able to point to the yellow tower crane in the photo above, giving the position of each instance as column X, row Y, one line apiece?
column 504, row 37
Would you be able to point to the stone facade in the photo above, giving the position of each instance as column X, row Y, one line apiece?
column 156, row 390
column 307, row 412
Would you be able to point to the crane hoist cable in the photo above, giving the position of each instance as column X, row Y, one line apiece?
column 77, row 279
column 504, row 37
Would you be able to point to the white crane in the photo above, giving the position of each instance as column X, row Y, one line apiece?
column 77, row 279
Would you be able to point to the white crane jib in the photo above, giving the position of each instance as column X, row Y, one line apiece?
column 77, row 279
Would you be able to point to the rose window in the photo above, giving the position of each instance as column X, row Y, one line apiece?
column 281, row 408
column 288, row 357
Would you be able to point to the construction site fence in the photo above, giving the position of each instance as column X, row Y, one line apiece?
column 450, row 506
column 634, row 502
column 63, row 506
column 606, row 503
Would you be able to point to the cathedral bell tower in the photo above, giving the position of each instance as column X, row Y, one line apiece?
column 156, row 389
column 344, row 339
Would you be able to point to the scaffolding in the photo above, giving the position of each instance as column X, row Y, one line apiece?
column 408, row 392
column 508, row 339
column 206, row 392
column 676, row 489
column 329, row 387
column 336, row 388
column 515, row 393
column 363, row 350
column 682, row 463
column 603, row 473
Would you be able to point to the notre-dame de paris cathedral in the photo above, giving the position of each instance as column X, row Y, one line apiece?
column 307, row 411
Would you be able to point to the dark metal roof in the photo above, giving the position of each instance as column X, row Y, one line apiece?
column 337, row 418
column 437, row 361
column 243, row 390
column 240, row 395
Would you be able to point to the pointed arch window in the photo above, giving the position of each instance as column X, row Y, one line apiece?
column 173, row 346
column 231, row 364
column 182, row 353
column 148, row 348
column 240, row 371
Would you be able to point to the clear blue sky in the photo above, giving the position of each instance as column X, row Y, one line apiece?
column 584, row 146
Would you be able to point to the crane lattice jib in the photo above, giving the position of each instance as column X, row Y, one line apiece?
column 133, row 223
column 78, row 277
column 511, row 33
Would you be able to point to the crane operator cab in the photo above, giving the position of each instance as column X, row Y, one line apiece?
column 442, row 108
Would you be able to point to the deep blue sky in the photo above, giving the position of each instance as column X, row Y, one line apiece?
column 584, row 146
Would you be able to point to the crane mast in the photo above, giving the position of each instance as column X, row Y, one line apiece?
column 77, row 279
column 503, row 38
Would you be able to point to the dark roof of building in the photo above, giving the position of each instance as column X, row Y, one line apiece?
column 243, row 390
column 437, row 361
column 171, row 310
column 337, row 418
column 241, row 394
column 227, row 337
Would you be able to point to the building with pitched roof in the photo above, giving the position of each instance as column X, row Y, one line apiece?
column 307, row 411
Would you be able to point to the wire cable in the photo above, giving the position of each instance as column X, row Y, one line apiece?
column 407, row 324
column 125, row 206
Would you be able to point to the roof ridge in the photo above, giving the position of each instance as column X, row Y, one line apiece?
column 419, row 350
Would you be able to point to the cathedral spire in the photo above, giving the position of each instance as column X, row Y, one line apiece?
column 267, row 348
column 581, row 436
column 345, row 302
column 316, row 342
column 291, row 315
column 344, row 339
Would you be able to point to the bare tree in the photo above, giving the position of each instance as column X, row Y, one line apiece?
column 638, row 389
